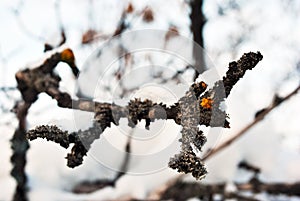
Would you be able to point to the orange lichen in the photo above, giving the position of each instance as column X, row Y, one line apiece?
column 206, row 103
column 67, row 56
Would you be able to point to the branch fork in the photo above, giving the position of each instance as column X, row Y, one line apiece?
column 198, row 106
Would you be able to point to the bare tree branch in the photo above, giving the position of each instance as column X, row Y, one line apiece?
column 183, row 190
column 29, row 94
column 259, row 117
column 191, row 110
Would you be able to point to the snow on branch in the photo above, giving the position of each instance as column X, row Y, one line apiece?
column 198, row 106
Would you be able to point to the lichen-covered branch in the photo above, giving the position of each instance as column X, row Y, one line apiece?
column 195, row 108
column 214, row 116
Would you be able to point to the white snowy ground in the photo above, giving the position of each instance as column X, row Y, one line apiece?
column 271, row 26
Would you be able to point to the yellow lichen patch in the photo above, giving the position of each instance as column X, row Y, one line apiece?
column 67, row 56
column 206, row 103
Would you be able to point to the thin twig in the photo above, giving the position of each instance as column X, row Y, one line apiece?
column 259, row 118
column 8, row 88
column 125, row 163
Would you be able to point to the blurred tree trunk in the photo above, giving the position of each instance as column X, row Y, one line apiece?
column 197, row 23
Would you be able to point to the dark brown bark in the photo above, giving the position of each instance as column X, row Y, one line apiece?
column 20, row 145
column 182, row 191
column 197, row 24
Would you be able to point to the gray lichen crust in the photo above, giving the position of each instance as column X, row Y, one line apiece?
column 197, row 107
